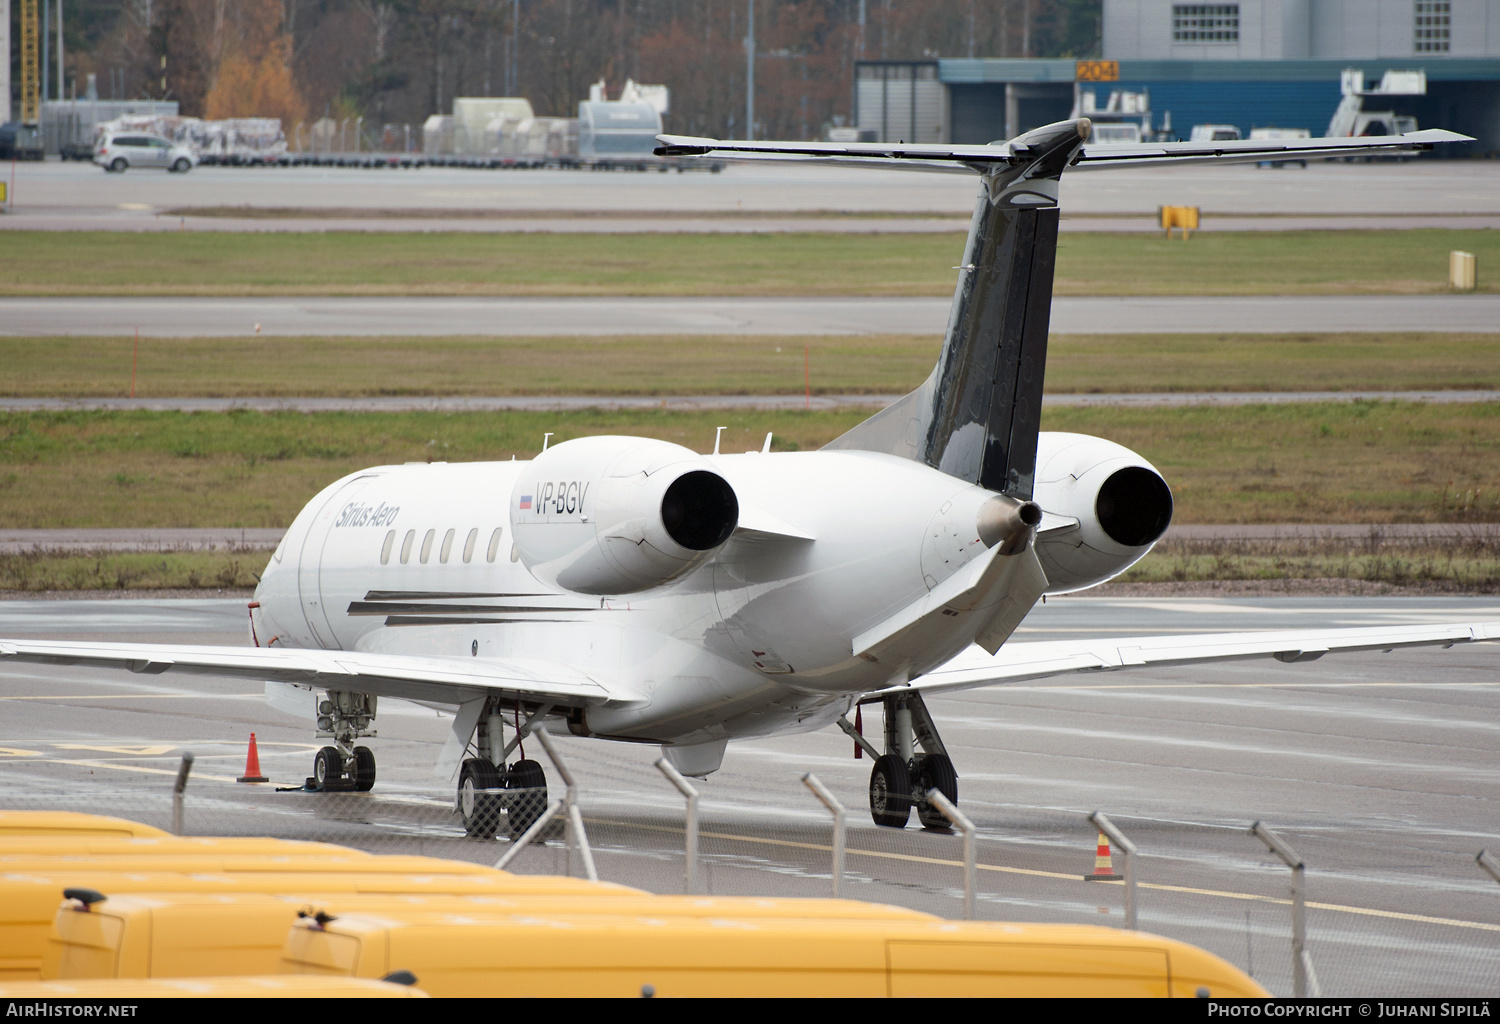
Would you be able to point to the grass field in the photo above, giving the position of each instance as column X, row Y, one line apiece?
column 1462, row 562
column 713, row 365
column 440, row 263
column 1358, row 462
column 1469, row 564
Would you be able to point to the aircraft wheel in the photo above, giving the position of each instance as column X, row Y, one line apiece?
column 328, row 767
column 528, row 798
column 480, row 799
column 935, row 771
column 364, row 769
column 890, row 791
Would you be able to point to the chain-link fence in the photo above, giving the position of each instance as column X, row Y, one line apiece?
column 1401, row 921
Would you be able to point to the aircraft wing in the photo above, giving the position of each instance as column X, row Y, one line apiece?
column 431, row 678
column 967, row 159
column 1018, row 662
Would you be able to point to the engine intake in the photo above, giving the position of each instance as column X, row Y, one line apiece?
column 619, row 515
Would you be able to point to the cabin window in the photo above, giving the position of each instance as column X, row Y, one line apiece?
column 427, row 545
column 469, row 545
column 385, row 549
column 494, row 544
column 447, row 547
column 411, row 535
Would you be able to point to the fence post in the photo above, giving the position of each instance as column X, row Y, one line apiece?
column 690, row 842
column 1304, row 979
column 835, row 808
column 525, row 838
column 577, row 837
column 1489, row 864
column 945, row 806
column 177, row 788
column 1103, row 824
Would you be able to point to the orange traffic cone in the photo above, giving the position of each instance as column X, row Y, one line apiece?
column 1104, row 870
column 252, row 764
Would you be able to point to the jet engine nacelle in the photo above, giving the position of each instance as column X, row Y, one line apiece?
column 1120, row 501
column 619, row 515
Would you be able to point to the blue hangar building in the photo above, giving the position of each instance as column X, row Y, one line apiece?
column 1252, row 64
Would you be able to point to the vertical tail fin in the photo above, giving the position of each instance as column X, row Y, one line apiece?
column 977, row 416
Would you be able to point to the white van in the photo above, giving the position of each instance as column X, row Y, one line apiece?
column 1214, row 133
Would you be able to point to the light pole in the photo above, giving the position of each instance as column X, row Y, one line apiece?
column 750, row 73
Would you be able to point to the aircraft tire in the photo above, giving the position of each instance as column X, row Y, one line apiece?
column 328, row 767
column 364, row 769
column 935, row 771
column 479, row 798
column 890, row 791
column 528, row 798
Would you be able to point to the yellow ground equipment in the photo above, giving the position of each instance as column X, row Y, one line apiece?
column 69, row 823
column 80, row 844
column 285, row 986
column 551, row 955
column 190, row 934
column 1184, row 217
column 29, row 900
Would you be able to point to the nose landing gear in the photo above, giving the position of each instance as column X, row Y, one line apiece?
column 344, row 717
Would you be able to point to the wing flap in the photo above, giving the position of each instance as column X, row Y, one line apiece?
column 446, row 680
column 1019, row 662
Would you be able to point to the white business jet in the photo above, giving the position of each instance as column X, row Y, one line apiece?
column 631, row 589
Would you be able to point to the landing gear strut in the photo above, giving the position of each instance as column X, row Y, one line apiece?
column 902, row 776
column 488, row 791
column 344, row 717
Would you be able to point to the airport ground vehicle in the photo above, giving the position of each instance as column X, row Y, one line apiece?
column 120, row 151
column 211, row 934
column 623, row 956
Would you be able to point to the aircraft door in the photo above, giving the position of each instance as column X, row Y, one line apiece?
column 309, row 564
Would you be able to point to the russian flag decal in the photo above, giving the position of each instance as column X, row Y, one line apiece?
column 525, row 501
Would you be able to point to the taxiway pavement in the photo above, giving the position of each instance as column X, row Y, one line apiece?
column 1379, row 769
column 1413, row 194
column 532, row 317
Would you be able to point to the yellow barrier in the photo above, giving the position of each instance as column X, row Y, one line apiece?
column 186, row 935
column 622, row 956
column 67, row 823
column 1184, row 217
column 284, row 986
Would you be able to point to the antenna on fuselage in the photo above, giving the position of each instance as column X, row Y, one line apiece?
column 718, row 433
column 545, row 439
column 765, row 449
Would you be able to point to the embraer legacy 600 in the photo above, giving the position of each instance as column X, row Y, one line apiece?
column 631, row 589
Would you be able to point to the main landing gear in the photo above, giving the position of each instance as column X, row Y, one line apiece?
column 344, row 717
column 491, row 795
column 901, row 776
